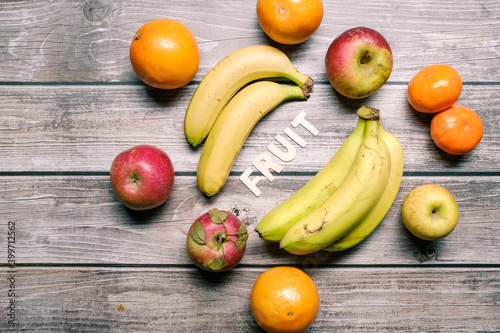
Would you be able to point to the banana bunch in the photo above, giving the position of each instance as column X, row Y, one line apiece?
column 230, row 100
column 347, row 199
column 227, row 77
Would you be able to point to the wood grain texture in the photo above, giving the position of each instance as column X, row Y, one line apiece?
column 82, row 128
column 70, row 102
column 78, row 220
column 68, row 41
column 187, row 300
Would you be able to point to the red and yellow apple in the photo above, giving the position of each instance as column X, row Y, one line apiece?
column 358, row 62
column 142, row 177
column 216, row 241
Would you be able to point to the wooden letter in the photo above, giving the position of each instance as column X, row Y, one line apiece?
column 301, row 120
column 251, row 183
column 295, row 137
column 284, row 156
column 268, row 164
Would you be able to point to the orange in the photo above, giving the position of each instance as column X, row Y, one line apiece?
column 289, row 21
column 284, row 299
column 456, row 130
column 164, row 54
column 434, row 88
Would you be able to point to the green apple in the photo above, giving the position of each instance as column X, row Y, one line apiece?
column 430, row 212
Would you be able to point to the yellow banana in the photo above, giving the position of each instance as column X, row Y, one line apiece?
column 233, row 126
column 377, row 214
column 230, row 75
column 353, row 200
column 315, row 192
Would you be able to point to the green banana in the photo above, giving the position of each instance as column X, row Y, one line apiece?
column 230, row 75
column 233, row 126
column 315, row 192
column 377, row 214
column 353, row 200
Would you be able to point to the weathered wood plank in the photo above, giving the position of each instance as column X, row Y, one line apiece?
column 187, row 300
column 70, row 101
column 82, row 128
column 78, row 220
column 88, row 41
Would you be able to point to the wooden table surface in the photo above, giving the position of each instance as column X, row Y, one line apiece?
column 70, row 102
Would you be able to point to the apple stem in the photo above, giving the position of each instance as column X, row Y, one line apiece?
column 221, row 240
column 366, row 58
column 222, row 248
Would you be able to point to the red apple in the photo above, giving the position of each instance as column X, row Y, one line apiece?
column 216, row 241
column 358, row 62
column 142, row 177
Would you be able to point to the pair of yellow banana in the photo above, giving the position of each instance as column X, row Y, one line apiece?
column 229, row 102
column 347, row 199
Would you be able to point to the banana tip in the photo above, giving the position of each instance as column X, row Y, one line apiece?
column 194, row 144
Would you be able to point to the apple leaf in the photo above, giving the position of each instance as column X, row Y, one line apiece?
column 242, row 230
column 198, row 233
column 217, row 264
column 217, row 216
column 242, row 237
column 241, row 241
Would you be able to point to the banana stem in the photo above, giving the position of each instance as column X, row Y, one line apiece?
column 307, row 87
column 368, row 113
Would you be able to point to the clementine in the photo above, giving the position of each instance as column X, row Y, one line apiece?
column 284, row 299
column 456, row 130
column 289, row 21
column 434, row 88
column 164, row 54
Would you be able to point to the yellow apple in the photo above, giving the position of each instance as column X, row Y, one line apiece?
column 430, row 212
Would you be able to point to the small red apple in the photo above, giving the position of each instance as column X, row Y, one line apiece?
column 358, row 62
column 216, row 241
column 142, row 177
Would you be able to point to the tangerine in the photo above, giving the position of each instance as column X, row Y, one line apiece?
column 434, row 88
column 289, row 21
column 284, row 299
column 456, row 130
column 164, row 54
